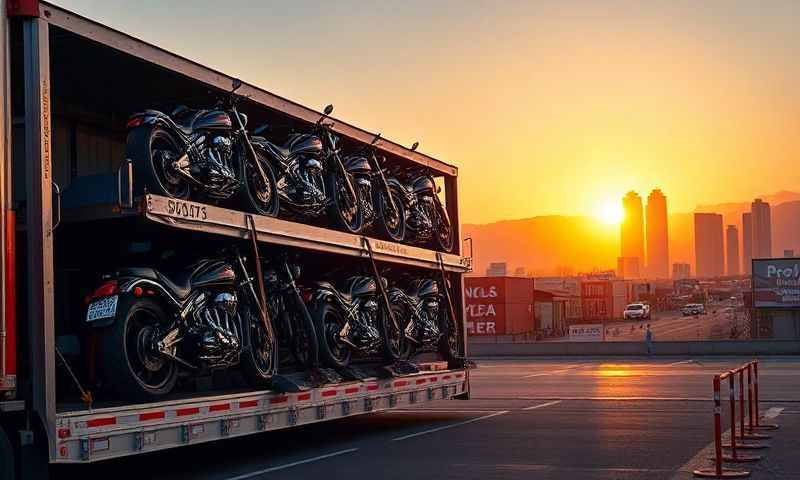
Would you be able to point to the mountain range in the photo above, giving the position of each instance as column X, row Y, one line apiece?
column 564, row 245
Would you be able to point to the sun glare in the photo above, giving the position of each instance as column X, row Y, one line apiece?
column 610, row 213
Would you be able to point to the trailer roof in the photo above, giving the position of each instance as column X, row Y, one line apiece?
column 128, row 44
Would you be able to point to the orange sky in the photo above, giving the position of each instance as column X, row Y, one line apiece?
column 547, row 107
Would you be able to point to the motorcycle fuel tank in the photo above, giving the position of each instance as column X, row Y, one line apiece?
column 303, row 143
column 423, row 185
column 212, row 120
column 213, row 273
column 357, row 164
column 424, row 287
column 361, row 286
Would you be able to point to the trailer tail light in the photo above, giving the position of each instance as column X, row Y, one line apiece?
column 104, row 290
column 134, row 122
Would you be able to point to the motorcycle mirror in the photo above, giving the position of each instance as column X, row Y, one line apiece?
column 236, row 84
column 328, row 110
column 414, row 146
column 438, row 189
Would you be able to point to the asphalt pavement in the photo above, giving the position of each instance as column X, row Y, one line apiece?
column 593, row 418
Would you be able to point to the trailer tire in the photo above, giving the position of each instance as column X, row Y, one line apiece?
column 117, row 349
column 326, row 317
column 7, row 465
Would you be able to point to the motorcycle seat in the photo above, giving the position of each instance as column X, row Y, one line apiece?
column 178, row 284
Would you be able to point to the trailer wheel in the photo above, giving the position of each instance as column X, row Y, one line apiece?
column 152, row 150
column 7, row 467
column 128, row 361
column 328, row 321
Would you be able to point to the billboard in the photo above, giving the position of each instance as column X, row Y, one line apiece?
column 776, row 283
column 485, row 299
column 597, row 300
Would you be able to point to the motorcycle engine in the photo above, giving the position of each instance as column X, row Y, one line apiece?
column 306, row 181
column 216, row 330
column 420, row 219
column 214, row 166
column 429, row 325
column 364, row 332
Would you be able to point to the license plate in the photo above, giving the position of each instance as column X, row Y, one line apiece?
column 104, row 308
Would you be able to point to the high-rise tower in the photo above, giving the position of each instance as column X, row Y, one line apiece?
column 732, row 249
column 762, row 229
column 747, row 242
column 709, row 246
column 632, row 229
column 657, row 238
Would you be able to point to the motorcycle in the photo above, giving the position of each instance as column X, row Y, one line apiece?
column 427, row 221
column 312, row 178
column 426, row 322
column 204, row 317
column 289, row 311
column 205, row 153
column 381, row 198
column 353, row 321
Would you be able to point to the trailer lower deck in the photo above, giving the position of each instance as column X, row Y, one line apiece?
column 105, row 433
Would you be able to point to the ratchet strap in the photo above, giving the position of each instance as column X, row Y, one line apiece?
column 381, row 286
column 86, row 395
column 262, row 294
column 447, row 295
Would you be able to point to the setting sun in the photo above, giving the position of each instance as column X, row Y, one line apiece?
column 610, row 213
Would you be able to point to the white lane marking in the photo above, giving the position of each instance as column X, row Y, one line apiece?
column 773, row 412
column 439, row 410
column 542, row 405
column 452, row 425
column 554, row 372
column 615, row 399
column 682, row 362
column 293, row 464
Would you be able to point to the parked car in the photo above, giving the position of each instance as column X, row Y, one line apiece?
column 637, row 311
column 693, row 309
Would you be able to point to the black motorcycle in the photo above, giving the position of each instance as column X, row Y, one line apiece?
column 381, row 198
column 201, row 318
column 424, row 316
column 353, row 321
column 290, row 313
column 201, row 153
column 427, row 220
column 312, row 179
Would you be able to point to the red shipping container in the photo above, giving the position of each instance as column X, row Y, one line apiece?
column 597, row 300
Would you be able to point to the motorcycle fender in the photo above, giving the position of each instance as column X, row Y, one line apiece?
column 153, row 118
column 324, row 294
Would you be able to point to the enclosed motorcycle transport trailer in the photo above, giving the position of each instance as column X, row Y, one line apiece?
column 70, row 213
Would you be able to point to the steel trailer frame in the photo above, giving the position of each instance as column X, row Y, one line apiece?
column 82, row 436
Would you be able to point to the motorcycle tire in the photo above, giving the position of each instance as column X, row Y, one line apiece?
column 264, row 202
column 145, row 147
column 448, row 342
column 304, row 343
column 402, row 348
column 337, row 213
column 257, row 363
column 328, row 321
column 123, row 353
column 393, row 230
column 444, row 244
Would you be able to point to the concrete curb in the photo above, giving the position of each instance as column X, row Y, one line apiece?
column 728, row 347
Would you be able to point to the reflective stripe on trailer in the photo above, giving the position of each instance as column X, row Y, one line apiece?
column 84, row 436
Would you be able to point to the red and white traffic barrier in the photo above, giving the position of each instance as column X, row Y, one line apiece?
column 737, row 442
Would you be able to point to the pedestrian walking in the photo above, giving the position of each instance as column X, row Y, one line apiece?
column 648, row 340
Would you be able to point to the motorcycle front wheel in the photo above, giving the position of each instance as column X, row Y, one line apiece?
column 153, row 150
column 328, row 322
column 258, row 359
column 391, row 223
column 345, row 212
column 448, row 342
column 260, row 196
column 396, row 345
column 443, row 232
column 129, row 361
